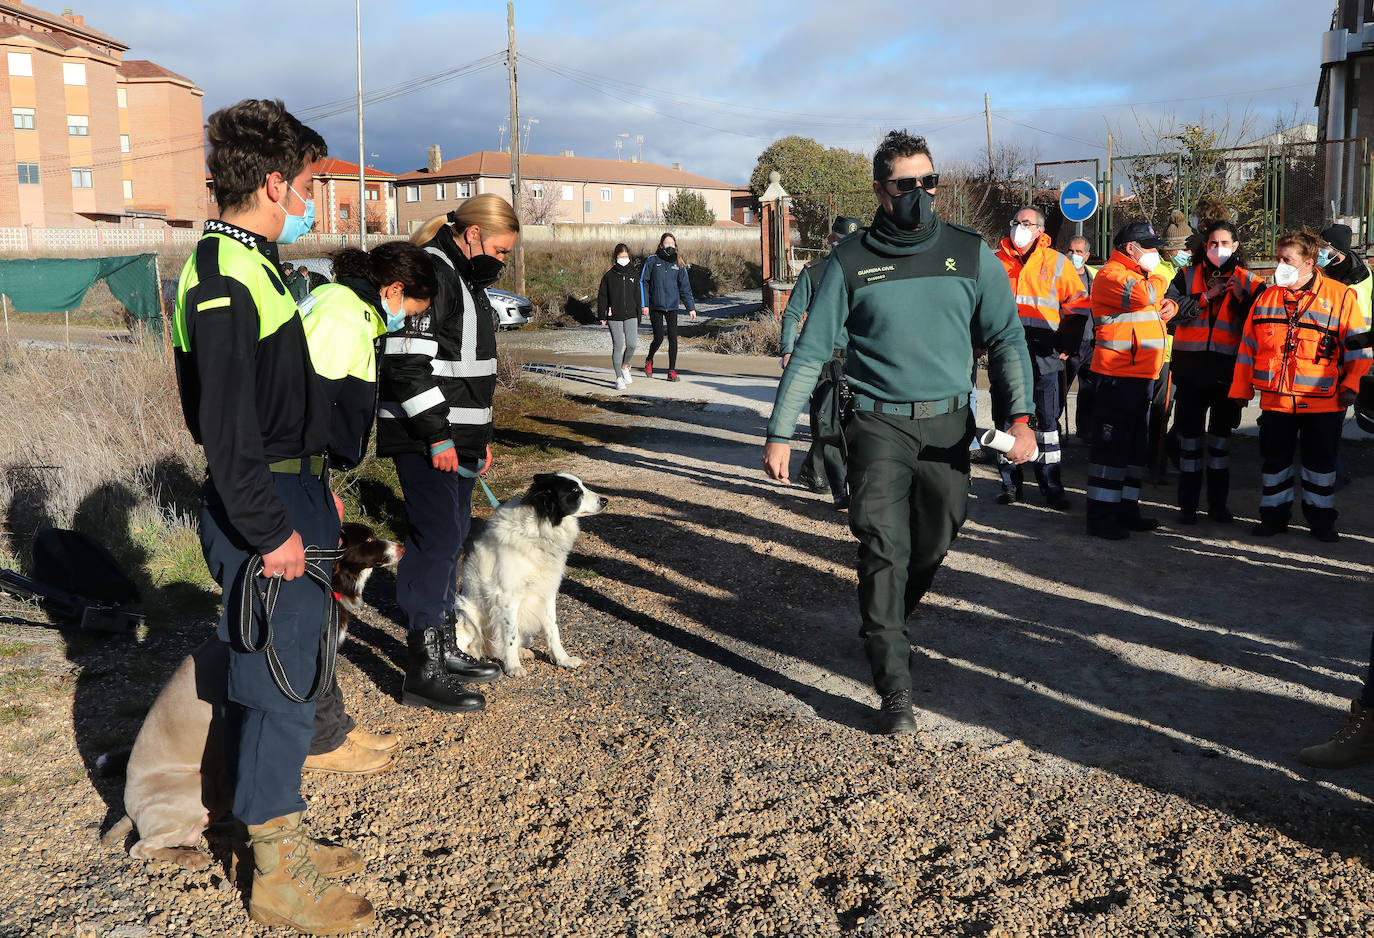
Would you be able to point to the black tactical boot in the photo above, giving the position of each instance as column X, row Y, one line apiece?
column 427, row 684
column 459, row 663
column 896, row 717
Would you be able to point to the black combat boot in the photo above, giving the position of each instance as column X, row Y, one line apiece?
column 896, row 718
column 428, row 684
column 459, row 663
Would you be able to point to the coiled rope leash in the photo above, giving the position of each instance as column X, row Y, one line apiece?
column 267, row 598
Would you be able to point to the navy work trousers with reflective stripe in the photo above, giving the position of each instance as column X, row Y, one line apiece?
column 1199, row 409
column 275, row 732
column 439, row 506
column 1046, row 437
column 1121, row 411
column 1313, row 438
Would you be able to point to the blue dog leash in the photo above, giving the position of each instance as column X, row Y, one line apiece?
column 469, row 474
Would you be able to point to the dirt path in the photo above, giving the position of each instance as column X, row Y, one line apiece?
column 1107, row 732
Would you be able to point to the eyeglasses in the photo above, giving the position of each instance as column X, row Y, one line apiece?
column 1026, row 223
column 908, row 183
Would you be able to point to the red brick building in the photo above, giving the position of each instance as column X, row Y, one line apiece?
column 94, row 139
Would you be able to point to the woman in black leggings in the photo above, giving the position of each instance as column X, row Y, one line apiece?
column 663, row 287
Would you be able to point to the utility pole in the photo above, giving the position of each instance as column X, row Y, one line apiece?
column 987, row 114
column 514, row 144
column 362, row 163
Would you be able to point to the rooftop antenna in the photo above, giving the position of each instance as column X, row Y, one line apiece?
column 501, row 134
column 525, row 146
column 639, row 144
column 620, row 142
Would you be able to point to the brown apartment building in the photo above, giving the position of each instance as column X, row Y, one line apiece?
column 96, row 139
column 564, row 188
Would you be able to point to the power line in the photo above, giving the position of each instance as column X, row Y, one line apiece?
column 1051, row 133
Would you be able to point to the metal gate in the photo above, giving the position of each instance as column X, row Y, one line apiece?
column 1266, row 189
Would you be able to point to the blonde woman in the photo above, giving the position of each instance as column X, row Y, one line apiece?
column 438, row 376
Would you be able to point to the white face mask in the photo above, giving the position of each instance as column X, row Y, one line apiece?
column 1021, row 236
column 623, row 261
column 1285, row 275
column 1219, row 255
column 1077, row 261
column 1148, row 261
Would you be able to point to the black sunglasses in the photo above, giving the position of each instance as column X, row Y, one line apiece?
column 907, row 183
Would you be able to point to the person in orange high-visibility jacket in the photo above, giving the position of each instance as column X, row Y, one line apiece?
column 1129, row 311
column 1214, row 296
column 1293, row 351
column 1048, row 292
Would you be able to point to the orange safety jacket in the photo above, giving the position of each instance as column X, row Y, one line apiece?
column 1128, row 335
column 1298, row 361
column 1205, row 345
column 1046, row 286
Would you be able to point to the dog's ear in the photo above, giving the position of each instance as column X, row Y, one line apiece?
column 543, row 498
column 569, row 497
column 355, row 533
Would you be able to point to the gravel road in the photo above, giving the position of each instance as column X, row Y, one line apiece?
column 1106, row 746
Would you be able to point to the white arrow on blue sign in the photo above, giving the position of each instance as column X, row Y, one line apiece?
column 1079, row 200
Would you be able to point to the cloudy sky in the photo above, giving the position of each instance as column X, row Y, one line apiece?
column 710, row 83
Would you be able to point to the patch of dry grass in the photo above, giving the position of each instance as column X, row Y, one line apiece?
column 758, row 335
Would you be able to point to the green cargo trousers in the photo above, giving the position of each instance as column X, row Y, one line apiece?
column 908, row 484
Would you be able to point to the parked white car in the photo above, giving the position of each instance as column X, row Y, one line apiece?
column 512, row 310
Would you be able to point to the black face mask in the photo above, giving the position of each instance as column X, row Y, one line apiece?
column 486, row 270
column 669, row 254
column 912, row 210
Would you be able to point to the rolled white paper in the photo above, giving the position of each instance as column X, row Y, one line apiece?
column 1003, row 442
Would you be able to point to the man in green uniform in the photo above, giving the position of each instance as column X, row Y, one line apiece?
column 915, row 295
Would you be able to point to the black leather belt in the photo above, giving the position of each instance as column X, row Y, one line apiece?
column 915, row 410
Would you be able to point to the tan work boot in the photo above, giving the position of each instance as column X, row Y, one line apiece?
column 1352, row 744
column 382, row 742
column 289, row 890
column 349, row 759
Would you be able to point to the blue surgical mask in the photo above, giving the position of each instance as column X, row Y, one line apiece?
column 397, row 319
column 296, row 225
column 1182, row 258
column 1323, row 257
column 1076, row 261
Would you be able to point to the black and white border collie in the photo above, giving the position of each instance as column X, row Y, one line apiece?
column 512, row 573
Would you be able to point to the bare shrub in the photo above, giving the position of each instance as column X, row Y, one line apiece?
column 97, row 431
column 759, row 335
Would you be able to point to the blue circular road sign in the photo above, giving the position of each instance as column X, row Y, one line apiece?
column 1079, row 200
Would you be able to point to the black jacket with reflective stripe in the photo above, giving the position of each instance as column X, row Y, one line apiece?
column 438, row 372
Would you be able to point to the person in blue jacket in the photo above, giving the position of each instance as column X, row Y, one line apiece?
column 663, row 287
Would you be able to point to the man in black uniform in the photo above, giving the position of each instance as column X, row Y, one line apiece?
column 914, row 295
column 251, row 397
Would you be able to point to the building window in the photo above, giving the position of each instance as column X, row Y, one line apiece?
column 81, row 179
column 537, row 190
column 605, row 193
column 122, row 96
column 21, row 63
column 372, row 195
column 123, row 143
column 28, row 174
column 586, row 206
column 73, row 73
column 629, row 197
column 128, row 189
column 663, row 197
column 23, row 118
column 412, row 193
column 78, row 125
column 464, row 190
column 343, row 214
column 440, row 191
column 567, row 194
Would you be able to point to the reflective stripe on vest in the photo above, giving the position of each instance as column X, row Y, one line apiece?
column 1218, row 324
column 1288, row 354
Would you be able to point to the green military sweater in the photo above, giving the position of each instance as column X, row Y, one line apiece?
column 914, row 306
